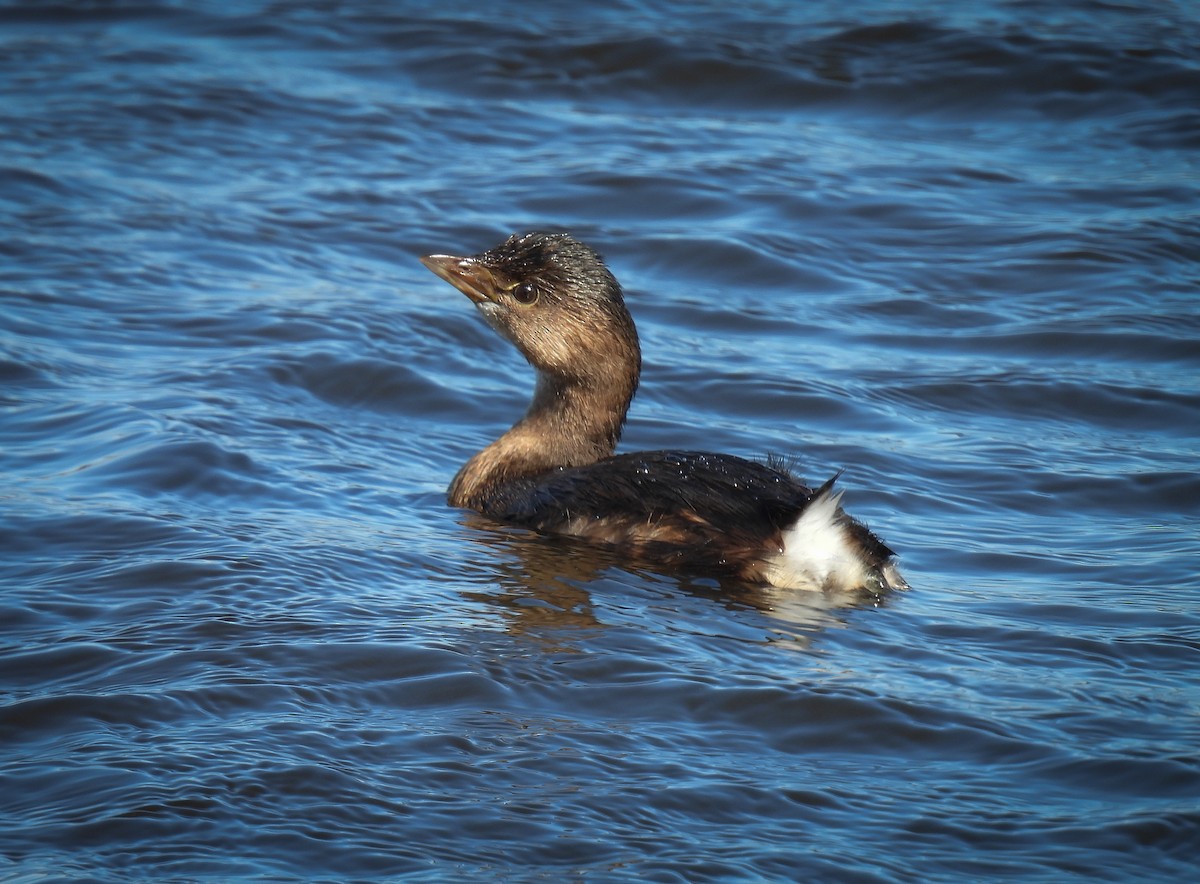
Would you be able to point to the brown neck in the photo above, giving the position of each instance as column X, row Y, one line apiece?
column 570, row 423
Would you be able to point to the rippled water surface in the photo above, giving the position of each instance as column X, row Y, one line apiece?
column 952, row 249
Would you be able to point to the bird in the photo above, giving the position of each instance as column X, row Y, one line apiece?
column 556, row 470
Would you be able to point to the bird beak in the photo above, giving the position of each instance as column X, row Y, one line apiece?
column 466, row 274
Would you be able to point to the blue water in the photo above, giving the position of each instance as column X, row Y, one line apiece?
column 950, row 248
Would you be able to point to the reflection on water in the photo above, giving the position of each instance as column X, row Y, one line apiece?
column 545, row 584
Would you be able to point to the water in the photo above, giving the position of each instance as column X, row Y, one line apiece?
column 952, row 248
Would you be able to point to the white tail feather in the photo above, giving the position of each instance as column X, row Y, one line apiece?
column 818, row 552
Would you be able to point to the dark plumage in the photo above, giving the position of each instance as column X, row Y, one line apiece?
column 554, row 471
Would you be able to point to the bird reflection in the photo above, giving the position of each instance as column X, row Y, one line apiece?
column 543, row 588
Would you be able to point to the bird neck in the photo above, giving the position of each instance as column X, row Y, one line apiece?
column 570, row 422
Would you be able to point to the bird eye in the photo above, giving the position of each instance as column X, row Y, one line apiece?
column 524, row 293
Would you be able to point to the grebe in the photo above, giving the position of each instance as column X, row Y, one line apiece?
column 555, row 470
